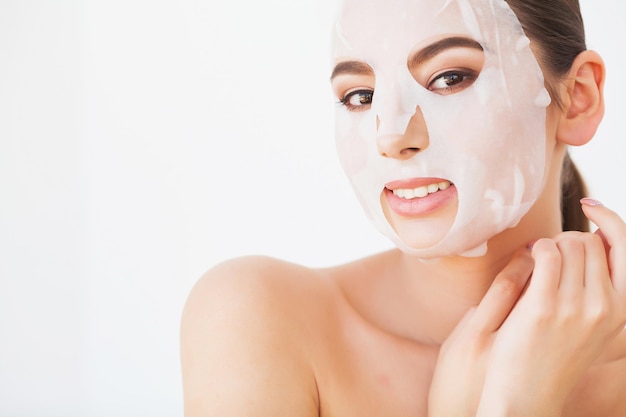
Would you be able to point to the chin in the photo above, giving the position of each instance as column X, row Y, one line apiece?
column 421, row 234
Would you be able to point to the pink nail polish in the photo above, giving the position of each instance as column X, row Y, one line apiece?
column 590, row 202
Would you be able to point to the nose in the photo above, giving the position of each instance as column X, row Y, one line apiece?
column 404, row 145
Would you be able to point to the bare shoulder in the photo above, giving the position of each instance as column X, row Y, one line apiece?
column 245, row 336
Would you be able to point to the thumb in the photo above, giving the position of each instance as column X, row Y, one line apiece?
column 504, row 292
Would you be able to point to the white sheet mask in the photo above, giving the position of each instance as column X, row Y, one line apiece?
column 487, row 139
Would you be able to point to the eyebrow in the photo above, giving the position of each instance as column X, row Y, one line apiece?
column 438, row 47
column 423, row 55
column 351, row 68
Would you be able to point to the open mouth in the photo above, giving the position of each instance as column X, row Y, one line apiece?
column 421, row 191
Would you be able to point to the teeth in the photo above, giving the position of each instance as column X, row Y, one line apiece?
column 419, row 192
column 422, row 191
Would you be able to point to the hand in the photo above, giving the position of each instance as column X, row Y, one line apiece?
column 575, row 304
column 460, row 372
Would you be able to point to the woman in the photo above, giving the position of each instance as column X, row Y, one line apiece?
column 453, row 129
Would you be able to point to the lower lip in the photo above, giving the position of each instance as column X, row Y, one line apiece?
column 420, row 206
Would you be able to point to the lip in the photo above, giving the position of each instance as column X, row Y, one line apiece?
column 418, row 206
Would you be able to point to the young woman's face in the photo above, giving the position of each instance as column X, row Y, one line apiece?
column 441, row 122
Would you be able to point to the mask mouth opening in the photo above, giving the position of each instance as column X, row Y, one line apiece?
column 420, row 212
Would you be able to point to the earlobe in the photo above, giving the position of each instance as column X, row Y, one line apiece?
column 583, row 100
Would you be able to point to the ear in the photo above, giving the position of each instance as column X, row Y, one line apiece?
column 583, row 100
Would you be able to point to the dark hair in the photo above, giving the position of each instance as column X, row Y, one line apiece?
column 556, row 26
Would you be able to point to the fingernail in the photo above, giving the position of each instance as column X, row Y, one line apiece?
column 590, row 202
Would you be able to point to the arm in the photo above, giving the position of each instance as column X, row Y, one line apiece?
column 241, row 349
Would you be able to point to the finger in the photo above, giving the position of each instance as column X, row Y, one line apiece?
column 503, row 293
column 547, row 273
column 614, row 233
column 607, row 248
column 597, row 278
column 572, row 250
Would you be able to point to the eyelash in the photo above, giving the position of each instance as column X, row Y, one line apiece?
column 367, row 95
column 467, row 78
column 462, row 79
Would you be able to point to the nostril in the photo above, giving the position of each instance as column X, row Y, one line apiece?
column 410, row 151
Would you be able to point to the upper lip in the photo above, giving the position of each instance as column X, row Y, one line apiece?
column 413, row 183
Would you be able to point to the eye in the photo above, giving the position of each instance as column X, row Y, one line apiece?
column 357, row 100
column 452, row 81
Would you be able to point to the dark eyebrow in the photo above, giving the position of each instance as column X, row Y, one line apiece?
column 436, row 48
column 352, row 68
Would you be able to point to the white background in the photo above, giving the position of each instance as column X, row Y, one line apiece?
column 142, row 142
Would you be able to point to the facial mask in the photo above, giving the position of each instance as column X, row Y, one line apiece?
column 487, row 139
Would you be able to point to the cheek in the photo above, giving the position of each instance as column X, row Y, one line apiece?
column 355, row 136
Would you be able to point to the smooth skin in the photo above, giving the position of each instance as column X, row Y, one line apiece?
column 519, row 332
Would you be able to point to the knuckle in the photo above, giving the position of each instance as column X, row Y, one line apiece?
column 600, row 313
column 542, row 314
column 594, row 239
column 509, row 283
column 569, row 235
column 571, row 244
column 543, row 244
column 569, row 314
column 546, row 250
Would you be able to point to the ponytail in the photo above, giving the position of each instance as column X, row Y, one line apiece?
column 573, row 188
